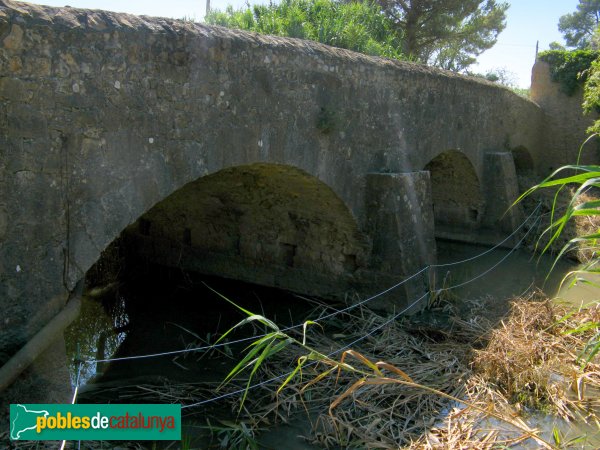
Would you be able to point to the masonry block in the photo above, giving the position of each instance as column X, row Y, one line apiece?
column 501, row 190
column 400, row 223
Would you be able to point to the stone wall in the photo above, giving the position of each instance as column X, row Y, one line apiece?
column 104, row 115
column 565, row 124
column 456, row 190
column 266, row 224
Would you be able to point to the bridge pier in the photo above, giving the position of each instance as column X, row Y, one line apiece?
column 95, row 133
column 501, row 189
column 400, row 222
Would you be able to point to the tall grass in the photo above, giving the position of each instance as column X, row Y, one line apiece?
column 364, row 373
column 582, row 179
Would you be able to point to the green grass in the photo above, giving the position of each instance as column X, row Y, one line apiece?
column 582, row 179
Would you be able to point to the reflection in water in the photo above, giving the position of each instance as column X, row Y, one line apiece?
column 96, row 334
column 167, row 312
column 520, row 271
column 163, row 313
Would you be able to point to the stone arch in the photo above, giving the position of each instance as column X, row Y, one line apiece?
column 269, row 224
column 524, row 164
column 456, row 191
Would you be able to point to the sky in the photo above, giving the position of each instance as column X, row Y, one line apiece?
column 528, row 21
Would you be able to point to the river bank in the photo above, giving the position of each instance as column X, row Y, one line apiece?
column 440, row 348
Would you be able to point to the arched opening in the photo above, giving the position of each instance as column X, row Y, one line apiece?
column 258, row 234
column 456, row 191
column 524, row 165
column 257, row 223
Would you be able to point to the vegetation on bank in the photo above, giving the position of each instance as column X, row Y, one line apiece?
column 448, row 34
column 436, row 386
column 541, row 358
column 569, row 68
column 580, row 28
column 354, row 26
column 591, row 94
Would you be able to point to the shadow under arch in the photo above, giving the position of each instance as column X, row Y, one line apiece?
column 458, row 201
column 264, row 225
column 268, row 224
column 524, row 164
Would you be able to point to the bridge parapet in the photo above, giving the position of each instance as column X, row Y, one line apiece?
column 105, row 115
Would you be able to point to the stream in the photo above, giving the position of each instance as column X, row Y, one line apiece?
column 170, row 311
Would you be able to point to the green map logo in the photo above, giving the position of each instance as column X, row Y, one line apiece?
column 95, row 422
column 23, row 420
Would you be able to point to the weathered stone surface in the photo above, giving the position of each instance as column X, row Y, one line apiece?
column 263, row 223
column 400, row 219
column 501, row 190
column 457, row 192
column 104, row 115
column 565, row 124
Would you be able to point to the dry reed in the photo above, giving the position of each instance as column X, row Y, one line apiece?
column 497, row 367
column 507, row 368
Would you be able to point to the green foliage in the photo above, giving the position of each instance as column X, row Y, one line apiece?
column 523, row 92
column 569, row 68
column 499, row 75
column 582, row 179
column 363, row 373
column 503, row 77
column 354, row 26
column 448, row 34
column 591, row 94
column 578, row 27
column 234, row 436
column 557, row 46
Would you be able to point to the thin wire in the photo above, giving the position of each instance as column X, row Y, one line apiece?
column 495, row 265
column 514, row 45
column 455, row 263
column 283, row 330
column 328, row 316
column 77, row 381
column 74, row 399
column 279, row 377
column 392, row 318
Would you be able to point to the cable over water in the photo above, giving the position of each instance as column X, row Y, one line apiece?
column 388, row 321
column 313, row 363
column 348, row 308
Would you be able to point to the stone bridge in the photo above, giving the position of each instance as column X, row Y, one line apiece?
column 277, row 161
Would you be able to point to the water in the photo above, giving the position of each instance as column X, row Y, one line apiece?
column 166, row 311
column 521, row 271
column 169, row 311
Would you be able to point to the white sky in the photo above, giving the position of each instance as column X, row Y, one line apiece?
column 528, row 21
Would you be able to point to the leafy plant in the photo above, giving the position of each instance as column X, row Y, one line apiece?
column 583, row 178
column 569, row 68
column 367, row 372
column 355, row 26
column 579, row 26
column 234, row 436
column 591, row 94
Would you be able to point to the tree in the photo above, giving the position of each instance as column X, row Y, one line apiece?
column 557, row 46
column 446, row 33
column 354, row 26
column 500, row 75
column 578, row 27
